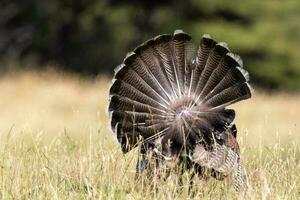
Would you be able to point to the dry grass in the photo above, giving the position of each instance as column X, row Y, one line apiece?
column 55, row 143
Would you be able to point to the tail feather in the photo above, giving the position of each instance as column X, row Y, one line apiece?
column 149, row 56
column 228, row 62
column 229, row 96
column 212, row 63
column 122, row 103
column 132, row 78
column 189, row 67
column 179, row 43
column 132, row 117
column 222, row 117
column 135, row 63
column 124, row 89
column 233, row 76
column 127, row 126
column 206, row 46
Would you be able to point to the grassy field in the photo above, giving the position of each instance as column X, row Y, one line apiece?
column 55, row 143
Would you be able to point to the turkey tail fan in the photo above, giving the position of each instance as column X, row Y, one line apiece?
column 166, row 84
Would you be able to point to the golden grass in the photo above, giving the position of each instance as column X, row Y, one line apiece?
column 55, row 143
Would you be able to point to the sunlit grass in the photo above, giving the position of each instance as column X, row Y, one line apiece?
column 56, row 144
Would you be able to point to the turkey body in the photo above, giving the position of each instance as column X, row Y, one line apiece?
column 170, row 98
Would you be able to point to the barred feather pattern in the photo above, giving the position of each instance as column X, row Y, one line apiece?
column 169, row 94
column 222, row 159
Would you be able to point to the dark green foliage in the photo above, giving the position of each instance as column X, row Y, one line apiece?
column 93, row 36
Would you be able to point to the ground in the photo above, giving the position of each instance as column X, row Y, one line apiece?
column 55, row 143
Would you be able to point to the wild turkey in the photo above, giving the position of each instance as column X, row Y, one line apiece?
column 172, row 99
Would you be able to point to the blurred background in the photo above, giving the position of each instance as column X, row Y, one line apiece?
column 91, row 37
